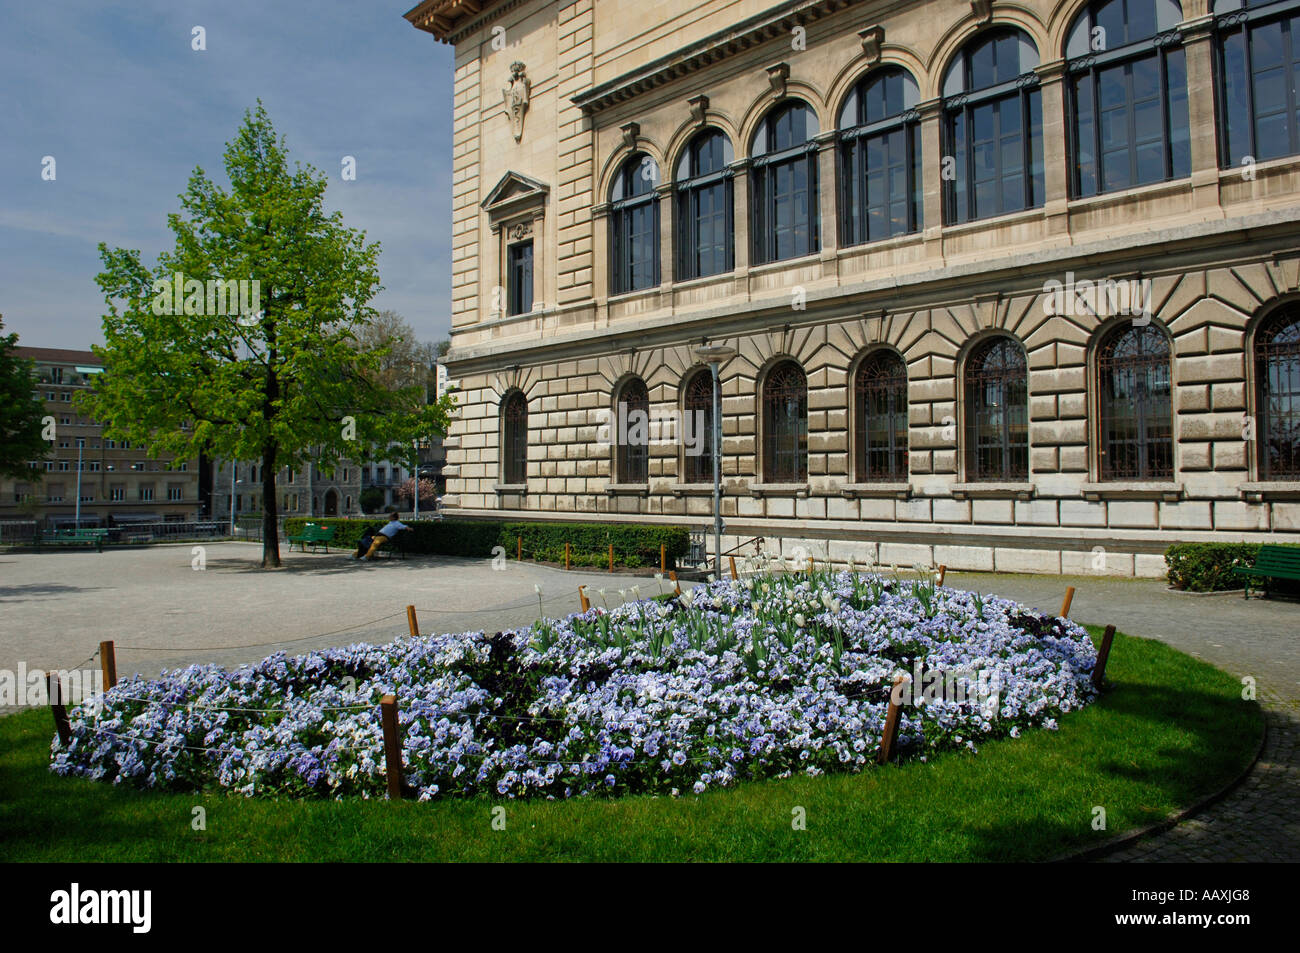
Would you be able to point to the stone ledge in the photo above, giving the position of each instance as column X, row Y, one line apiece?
column 854, row 491
column 993, row 491
column 627, row 489
column 1133, row 490
column 1262, row 491
column 761, row 490
column 501, row 488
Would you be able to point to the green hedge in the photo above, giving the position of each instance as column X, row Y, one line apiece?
column 635, row 546
column 1208, row 567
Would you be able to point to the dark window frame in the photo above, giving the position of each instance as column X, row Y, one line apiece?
column 785, row 424
column 979, row 380
column 1242, row 24
column 852, row 164
column 764, row 170
column 631, row 461
column 1138, row 360
column 519, row 277
column 881, row 374
column 689, row 191
column 1277, row 361
column 697, row 397
column 514, row 439
column 624, row 218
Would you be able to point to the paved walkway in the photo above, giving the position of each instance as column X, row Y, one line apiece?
column 161, row 612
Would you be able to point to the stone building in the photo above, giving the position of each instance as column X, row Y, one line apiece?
column 309, row 491
column 1010, row 285
column 115, row 483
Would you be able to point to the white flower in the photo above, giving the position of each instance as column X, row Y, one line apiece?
column 799, row 620
column 537, row 589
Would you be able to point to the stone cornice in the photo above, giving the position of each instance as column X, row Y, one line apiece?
column 718, row 46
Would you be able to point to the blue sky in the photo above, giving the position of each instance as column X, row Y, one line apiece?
column 114, row 92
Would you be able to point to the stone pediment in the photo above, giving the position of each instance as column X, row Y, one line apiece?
column 513, row 194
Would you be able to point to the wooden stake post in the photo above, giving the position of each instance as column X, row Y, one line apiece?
column 611, row 557
column 1103, row 653
column 892, row 716
column 582, row 599
column 519, row 548
column 732, row 560
column 392, row 747
column 108, row 664
column 411, row 622
column 1065, row 606
column 663, row 557
column 943, row 571
column 673, row 578
column 566, row 557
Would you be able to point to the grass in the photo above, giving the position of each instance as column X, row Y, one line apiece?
column 1169, row 731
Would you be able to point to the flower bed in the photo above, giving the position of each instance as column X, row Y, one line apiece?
column 733, row 681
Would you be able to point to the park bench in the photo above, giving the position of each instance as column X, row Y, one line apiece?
column 313, row 534
column 1272, row 562
column 394, row 547
column 72, row 537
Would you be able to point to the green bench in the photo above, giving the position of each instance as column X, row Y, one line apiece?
column 313, row 534
column 72, row 537
column 1272, row 562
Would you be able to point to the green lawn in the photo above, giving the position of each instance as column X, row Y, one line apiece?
column 1170, row 731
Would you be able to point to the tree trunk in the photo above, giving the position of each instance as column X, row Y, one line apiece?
column 270, row 511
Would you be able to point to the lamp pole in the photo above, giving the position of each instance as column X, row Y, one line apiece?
column 81, row 442
column 716, row 355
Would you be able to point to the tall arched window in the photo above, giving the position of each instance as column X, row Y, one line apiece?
column 1258, row 51
column 633, row 422
column 705, row 230
column 785, row 424
column 1137, row 412
column 1277, row 394
column 880, row 418
column 634, row 226
column 993, row 133
column 514, row 439
column 997, row 412
column 1127, row 94
column 784, row 185
column 880, row 158
column 697, row 409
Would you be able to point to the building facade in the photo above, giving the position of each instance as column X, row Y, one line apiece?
column 309, row 491
column 115, row 483
column 1010, row 286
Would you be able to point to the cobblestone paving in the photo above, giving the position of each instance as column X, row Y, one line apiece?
column 1259, row 820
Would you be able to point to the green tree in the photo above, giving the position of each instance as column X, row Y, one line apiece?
column 21, row 412
column 280, row 379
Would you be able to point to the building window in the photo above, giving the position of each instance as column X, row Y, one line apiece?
column 175, row 492
column 880, row 418
column 1277, row 395
column 880, row 160
column 56, row 375
column 632, row 419
column 1258, row 52
column 94, row 466
column 697, row 413
column 55, row 493
column 993, row 128
column 705, row 204
column 514, row 439
column 1137, row 413
column 634, row 226
column 519, row 277
column 117, row 493
column 785, row 424
column 784, row 185
column 146, row 492
column 997, row 412
column 1127, row 94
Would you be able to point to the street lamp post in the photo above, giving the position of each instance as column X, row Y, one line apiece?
column 81, row 442
column 715, row 355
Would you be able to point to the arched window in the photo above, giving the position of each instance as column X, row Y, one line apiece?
column 993, row 129
column 997, row 412
column 1258, row 51
column 705, row 230
column 514, row 439
column 880, row 418
column 880, row 158
column 785, row 424
column 1137, row 413
column 784, row 185
column 697, row 411
column 1277, row 395
column 1127, row 94
column 633, row 442
column 634, row 226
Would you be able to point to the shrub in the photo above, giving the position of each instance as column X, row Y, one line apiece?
column 634, row 545
column 1208, row 567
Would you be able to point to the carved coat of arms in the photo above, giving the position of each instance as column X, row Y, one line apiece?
column 516, row 96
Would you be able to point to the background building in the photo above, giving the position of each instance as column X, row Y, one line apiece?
column 308, row 491
column 118, row 484
column 1011, row 285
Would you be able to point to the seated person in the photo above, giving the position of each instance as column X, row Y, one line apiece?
column 367, row 537
column 386, row 534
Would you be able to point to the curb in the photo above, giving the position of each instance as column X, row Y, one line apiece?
column 1171, row 821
